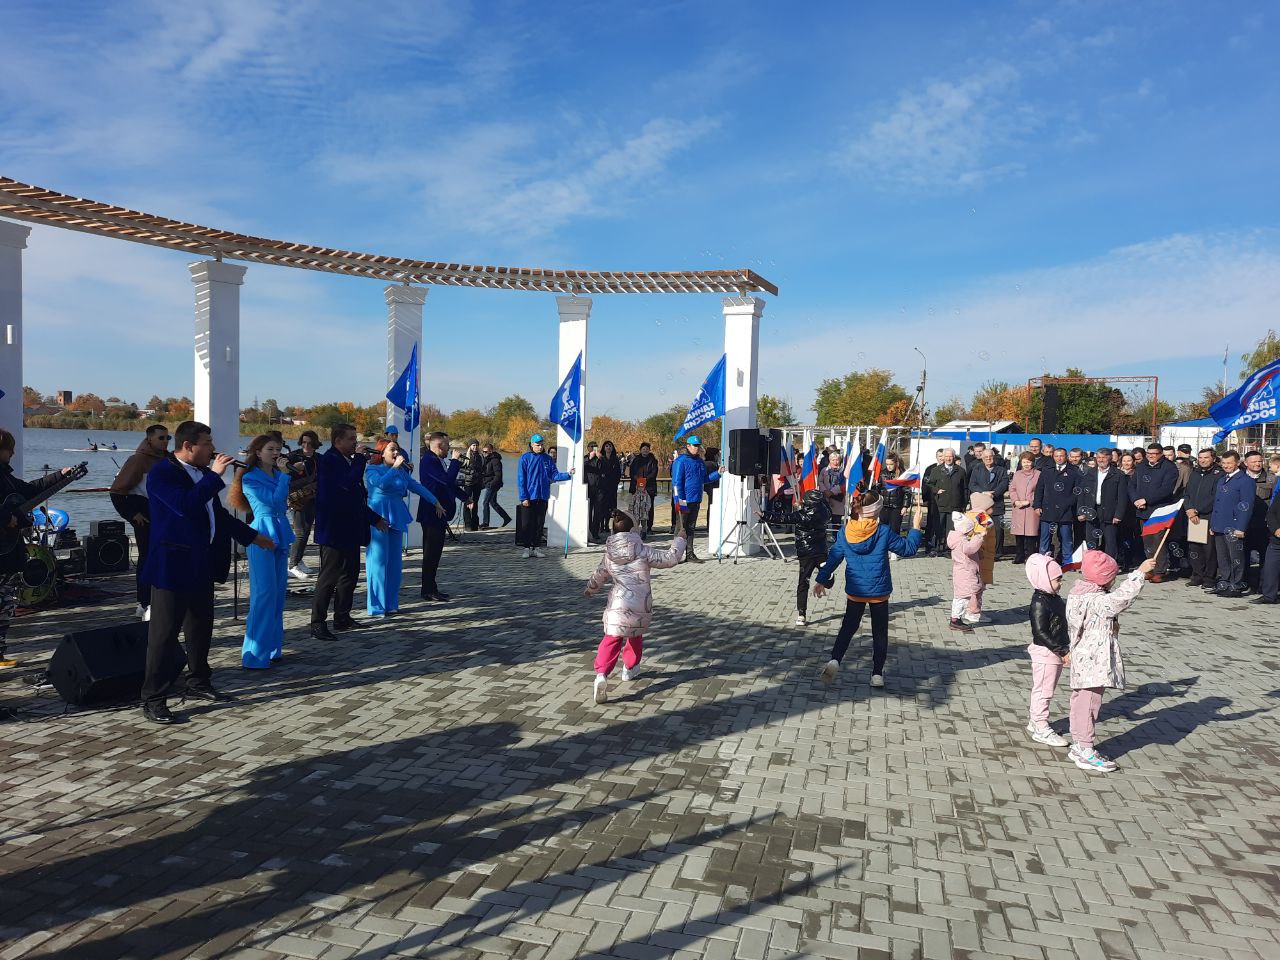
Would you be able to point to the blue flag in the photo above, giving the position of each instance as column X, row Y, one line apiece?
column 709, row 404
column 1253, row 402
column 404, row 392
column 566, row 406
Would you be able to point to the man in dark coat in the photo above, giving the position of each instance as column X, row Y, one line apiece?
column 191, row 534
column 492, row 484
column 987, row 475
column 1152, row 486
column 1102, row 504
column 1270, row 581
column 950, row 491
column 644, row 466
column 343, row 519
column 1198, row 508
column 1056, row 493
column 441, row 478
column 1256, row 539
column 932, row 535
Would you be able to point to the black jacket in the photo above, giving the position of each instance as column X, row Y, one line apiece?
column 645, row 465
column 1200, row 490
column 1273, row 520
column 1258, row 529
column 15, row 553
column 471, row 473
column 493, row 471
column 1114, row 504
column 892, row 498
column 810, row 521
column 950, row 491
column 1056, row 494
column 1155, row 485
column 610, row 474
column 1049, row 622
column 1044, row 462
column 981, row 481
column 926, row 482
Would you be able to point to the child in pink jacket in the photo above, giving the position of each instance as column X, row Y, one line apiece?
column 965, row 543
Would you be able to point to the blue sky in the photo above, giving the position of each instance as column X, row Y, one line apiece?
column 1013, row 188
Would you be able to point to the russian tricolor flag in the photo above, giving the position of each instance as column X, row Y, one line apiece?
column 1161, row 518
column 877, row 461
column 853, row 467
column 809, row 471
column 910, row 478
column 1077, row 559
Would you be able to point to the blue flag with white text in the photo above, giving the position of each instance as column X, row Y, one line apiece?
column 709, row 404
column 1254, row 402
column 404, row 392
column 566, row 406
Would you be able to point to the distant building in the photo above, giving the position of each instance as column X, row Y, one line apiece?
column 64, row 397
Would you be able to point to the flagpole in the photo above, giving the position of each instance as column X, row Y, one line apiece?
column 723, row 488
column 568, row 517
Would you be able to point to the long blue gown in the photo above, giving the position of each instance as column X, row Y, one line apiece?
column 268, row 570
column 384, row 557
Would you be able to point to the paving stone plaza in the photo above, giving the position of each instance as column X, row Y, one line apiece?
column 440, row 786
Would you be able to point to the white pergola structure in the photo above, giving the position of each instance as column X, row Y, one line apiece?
column 217, row 314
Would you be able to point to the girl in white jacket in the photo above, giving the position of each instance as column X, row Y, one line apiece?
column 627, row 561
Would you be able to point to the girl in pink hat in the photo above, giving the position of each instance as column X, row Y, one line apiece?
column 1049, row 647
column 1093, row 612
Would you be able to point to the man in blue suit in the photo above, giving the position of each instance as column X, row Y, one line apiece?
column 191, row 535
column 343, row 519
column 440, row 476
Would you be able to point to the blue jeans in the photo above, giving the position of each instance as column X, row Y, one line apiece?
column 489, row 501
column 1064, row 537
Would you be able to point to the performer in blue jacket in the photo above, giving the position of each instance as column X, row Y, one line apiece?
column 343, row 519
column 439, row 474
column 688, row 478
column 534, row 476
column 388, row 485
column 190, row 551
column 262, row 490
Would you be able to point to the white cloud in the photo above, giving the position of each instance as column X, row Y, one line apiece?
column 948, row 135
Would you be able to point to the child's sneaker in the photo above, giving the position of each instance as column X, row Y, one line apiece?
column 630, row 673
column 974, row 619
column 877, row 680
column 1047, row 736
column 960, row 625
column 1086, row 758
column 527, row 554
column 829, row 671
column 800, row 620
column 601, row 692
column 538, row 553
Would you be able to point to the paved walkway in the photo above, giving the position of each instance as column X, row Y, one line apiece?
column 442, row 787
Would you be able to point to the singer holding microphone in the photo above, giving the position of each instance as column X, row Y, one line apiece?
column 388, row 484
column 191, row 535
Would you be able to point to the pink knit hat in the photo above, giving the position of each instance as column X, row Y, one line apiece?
column 1098, row 568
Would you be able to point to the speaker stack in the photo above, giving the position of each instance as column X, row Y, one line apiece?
column 106, row 548
column 106, row 665
column 754, row 453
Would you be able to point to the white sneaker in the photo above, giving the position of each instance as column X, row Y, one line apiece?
column 973, row 619
column 800, row 620
column 538, row 553
column 601, row 692
column 140, row 612
column 526, row 554
column 298, row 574
column 1086, row 758
column 146, row 615
column 1047, row 736
column 829, row 671
column 630, row 673
column 877, row 680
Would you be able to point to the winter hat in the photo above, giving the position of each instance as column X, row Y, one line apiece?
column 1041, row 570
column 1098, row 567
column 961, row 523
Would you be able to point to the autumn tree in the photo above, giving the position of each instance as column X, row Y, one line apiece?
column 660, row 428
column 859, row 397
column 772, row 412
column 1266, row 350
column 468, row 424
column 953, row 409
column 156, row 405
column 507, row 408
column 31, row 397
column 88, row 403
column 624, row 434
column 519, row 429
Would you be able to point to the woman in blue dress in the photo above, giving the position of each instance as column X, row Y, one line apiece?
column 262, row 490
column 388, row 484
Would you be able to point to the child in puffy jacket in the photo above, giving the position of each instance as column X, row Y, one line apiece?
column 810, row 521
column 965, row 543
column 627, row 562
column 1049, row 647
column 864, row 545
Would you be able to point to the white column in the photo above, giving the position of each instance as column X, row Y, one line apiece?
column 404, row 332
column 13, row 240
column 574, row 314
column 217, row 353
column 742, row 351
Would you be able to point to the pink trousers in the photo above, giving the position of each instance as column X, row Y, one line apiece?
column 610, row 646
column 1046, row 668
column 1085, row 704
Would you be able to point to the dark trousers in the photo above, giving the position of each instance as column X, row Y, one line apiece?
column 339, row 571
column 808, row 567
column 302, row 521
column 1204, row 560
column 10, row 587
column 1271, row 571
column 142, row 536
column 470, row 509
column 1104, row 536
column 1230, row 551
column 891, row 517
column 1025, row 545
column 174, row 612
column 931, row 526
column 853, row 611
column 489, row 502
column 529, row 521
column 597, row 515
column 1149, row 545
column 689, row 520
column 432, row 547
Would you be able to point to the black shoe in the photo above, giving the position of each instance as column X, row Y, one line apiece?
column 1195, row 582
column 436, row 597
column 345, row 623
column 321, row 631
column 484, row 526
column 961, row 626
column 205, row 691
column 692, row 558
column 158, row 713
column 1264, row 600
column 505, row 522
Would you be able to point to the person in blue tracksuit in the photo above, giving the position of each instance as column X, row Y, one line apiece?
column 263, row 491
column 388, row 484
column 1232, row 508
column 689, row 477
column 534, row 476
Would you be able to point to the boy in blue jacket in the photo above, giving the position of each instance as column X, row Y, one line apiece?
column 864, row 544
column 534, row 476
column 689, row 477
